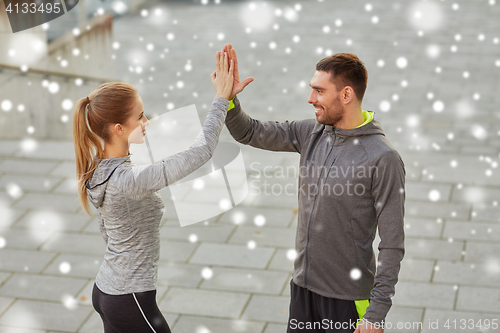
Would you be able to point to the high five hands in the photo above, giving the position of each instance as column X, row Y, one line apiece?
column 238, row 85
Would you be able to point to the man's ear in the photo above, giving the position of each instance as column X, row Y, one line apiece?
column 347, row 95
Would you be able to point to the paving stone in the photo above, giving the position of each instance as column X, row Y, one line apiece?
column 271, row 200
column 486, row 212
column 11, row 329
column 93, row 324
column 436, row 209
column 80, row 266
column 466, row 273
column 479, row 299
column 231, row 255
column 9, row 147
column 478, row 149
column 91, row 227
column 24, row 239
column 424, row 295
column 247, row 215
column 204, row 302
column 404, row 319
column 472, row 230
column 275, row 328
column 295, row 221
column 5, row 302
column 422, row 191
column 50, row 150
column 179, row 274
column 166, row 196
column 40, row 287
column 482, row 252
column 176, row 251
column 64, row 169
column 24, row 260
column 416, row 269
column 188, row 324
column 253, row 281
column 84, row 296
column 433, row 248
column 4, row 276
column 209, row 233
column 216, row 195
column 446, row 173
column 412, row 172
column 41, row 220
column 199, row 212
column 75, row 243
column 33, row 167
column 475, row 194
column 273, row 309
column 44, row 315
column 8, row 215
column 281, row 261
column 264, row 236
column 64, row 203
column 425, row 227
column 28, row 182
column 69, row 186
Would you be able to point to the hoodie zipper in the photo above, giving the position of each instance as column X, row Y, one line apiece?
column 330, row 168
column 314, row 206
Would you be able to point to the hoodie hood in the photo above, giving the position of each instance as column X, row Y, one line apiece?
column 370, row 128
column 96, row 186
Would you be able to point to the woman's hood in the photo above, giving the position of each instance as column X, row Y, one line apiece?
column 97, row 184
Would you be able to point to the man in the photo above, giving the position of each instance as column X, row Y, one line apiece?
column 351, row 181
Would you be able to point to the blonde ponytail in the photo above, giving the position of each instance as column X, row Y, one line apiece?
column 109, row 104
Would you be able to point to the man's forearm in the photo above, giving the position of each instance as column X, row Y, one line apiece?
column 269, row 135
column 238, row 122
column 384, row 285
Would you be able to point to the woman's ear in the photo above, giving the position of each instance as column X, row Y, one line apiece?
column 117, row 129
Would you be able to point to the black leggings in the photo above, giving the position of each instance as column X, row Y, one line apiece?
column 134, row 313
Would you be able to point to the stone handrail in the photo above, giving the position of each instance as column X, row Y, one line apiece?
column 34, row 100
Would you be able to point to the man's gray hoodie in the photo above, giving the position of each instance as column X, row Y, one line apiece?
column 350, row 182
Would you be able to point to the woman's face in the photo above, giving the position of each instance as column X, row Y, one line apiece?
column 137, row 123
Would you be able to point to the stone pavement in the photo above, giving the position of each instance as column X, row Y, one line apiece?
column 438, row 106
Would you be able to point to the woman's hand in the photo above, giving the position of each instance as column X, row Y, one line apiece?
column 223, row 78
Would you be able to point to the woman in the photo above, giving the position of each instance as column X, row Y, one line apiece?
column 129, row 209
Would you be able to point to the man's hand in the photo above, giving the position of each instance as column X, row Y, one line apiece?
column 237, row 85
column 365, row 327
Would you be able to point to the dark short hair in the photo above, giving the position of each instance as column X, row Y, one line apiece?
column 346, row 70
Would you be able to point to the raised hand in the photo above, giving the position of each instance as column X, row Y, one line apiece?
column 223, row 77
column 238, row 85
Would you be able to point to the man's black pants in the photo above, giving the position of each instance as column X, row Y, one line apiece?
column 313, row 313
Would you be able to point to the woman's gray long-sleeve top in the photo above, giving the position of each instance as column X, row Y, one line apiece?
column 129, row 209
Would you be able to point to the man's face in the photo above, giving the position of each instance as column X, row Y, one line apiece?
column 325, row 99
